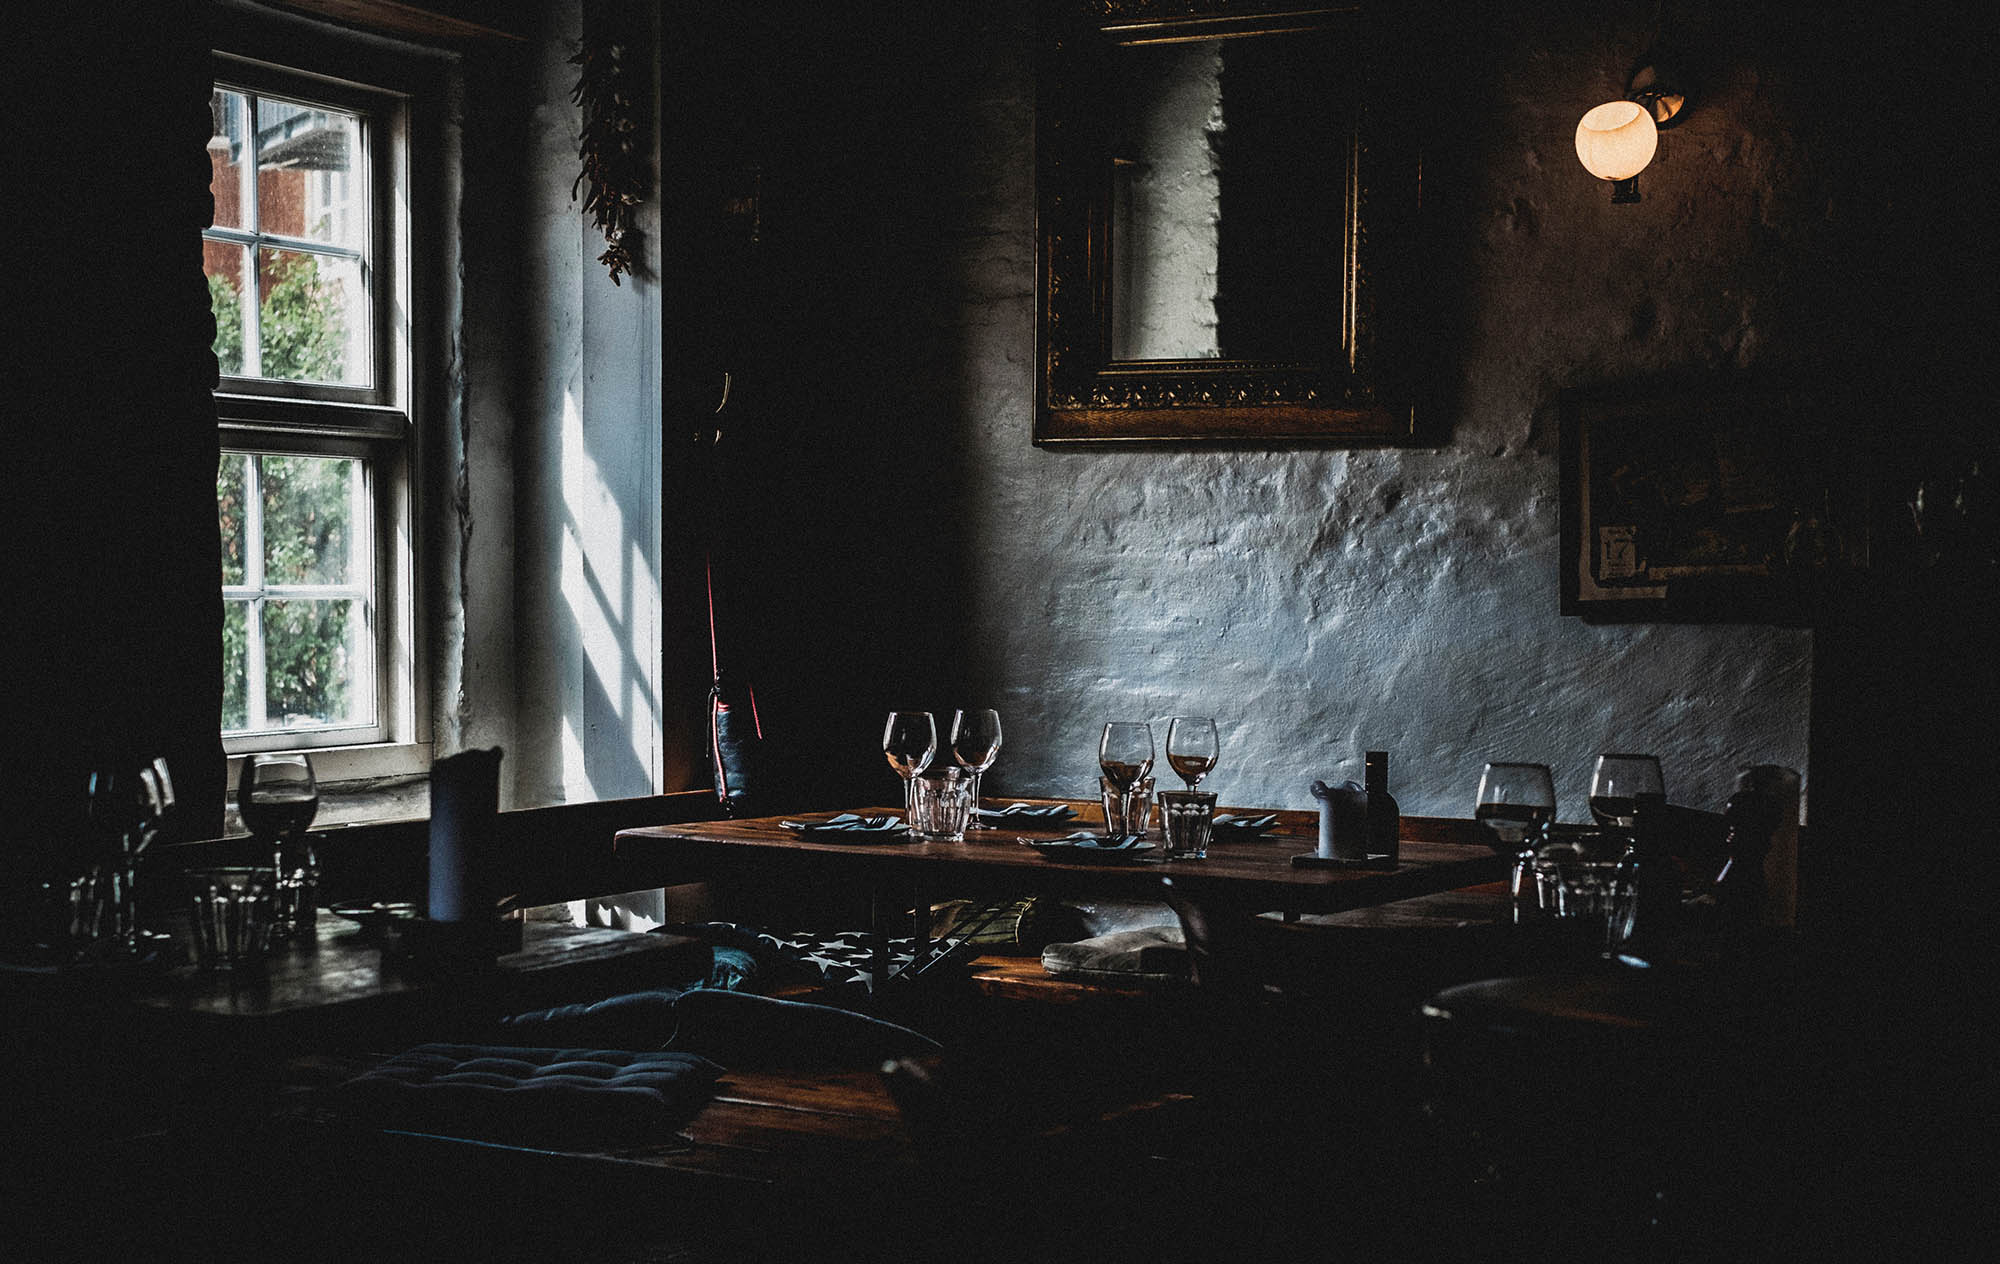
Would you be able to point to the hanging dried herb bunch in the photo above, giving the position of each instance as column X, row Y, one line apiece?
column 609, row 147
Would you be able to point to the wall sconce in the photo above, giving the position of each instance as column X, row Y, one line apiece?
column 1616, row 140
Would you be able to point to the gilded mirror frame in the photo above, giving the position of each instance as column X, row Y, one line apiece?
column 1359, row 391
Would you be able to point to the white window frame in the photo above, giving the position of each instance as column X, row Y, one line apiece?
column 372, row 422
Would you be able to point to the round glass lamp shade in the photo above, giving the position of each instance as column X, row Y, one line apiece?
column 1616, row 140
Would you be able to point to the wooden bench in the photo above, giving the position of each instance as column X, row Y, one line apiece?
column 1473, row 917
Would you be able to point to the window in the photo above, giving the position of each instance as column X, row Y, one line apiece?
column 308, row 277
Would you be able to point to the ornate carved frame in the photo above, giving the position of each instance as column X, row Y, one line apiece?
column 1358, row 392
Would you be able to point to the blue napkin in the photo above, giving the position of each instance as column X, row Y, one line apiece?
column 1104, row 842
column 1227, row 823
column 1029, row 812
column 849, row 823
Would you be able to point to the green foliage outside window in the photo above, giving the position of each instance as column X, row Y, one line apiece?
column 307, row 514
column 306, row 508
column 300, row 323
column 227, row 305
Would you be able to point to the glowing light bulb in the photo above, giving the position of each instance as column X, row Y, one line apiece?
column 1616, row 140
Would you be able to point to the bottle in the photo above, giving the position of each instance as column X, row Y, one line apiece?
column 735, row 745
column 1655, row 884
column 1741, row 889
column 1385, row 821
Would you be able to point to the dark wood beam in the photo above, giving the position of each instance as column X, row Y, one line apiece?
column 434, row 19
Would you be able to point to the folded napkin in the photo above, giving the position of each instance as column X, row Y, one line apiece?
column 1227, row 823
column 1029, row 812
column 1104, row 842
column 849, row 823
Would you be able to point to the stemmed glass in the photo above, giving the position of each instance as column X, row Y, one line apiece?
column 1125, row 753
column 1516, row 803
column 909, row 740
column 122, row 804
column 975, row 744
column 1623, row 784
column 1192, row 747
column 277, row 797
column 126, row 804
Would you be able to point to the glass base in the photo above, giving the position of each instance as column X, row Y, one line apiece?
column 972, row 822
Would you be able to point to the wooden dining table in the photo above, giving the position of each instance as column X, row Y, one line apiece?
column 1242, row 874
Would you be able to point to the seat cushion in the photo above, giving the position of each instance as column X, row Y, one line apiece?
column 531, row 1095
column 742, row 1029
column 632, row 1020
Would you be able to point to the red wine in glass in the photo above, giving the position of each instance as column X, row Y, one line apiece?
column 1622, row 785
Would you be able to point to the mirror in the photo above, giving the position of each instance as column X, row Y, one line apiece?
column 1225, row 200
column 1223, row 205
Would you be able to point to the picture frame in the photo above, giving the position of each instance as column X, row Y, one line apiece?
column 1718, row 501
column 1354, row 260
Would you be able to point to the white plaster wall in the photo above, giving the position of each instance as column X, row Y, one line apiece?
column 1320, row 603
column 545, row 518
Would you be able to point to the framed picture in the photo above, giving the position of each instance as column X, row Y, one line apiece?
column 1714, row 502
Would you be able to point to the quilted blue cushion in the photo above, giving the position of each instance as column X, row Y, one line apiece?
column 532, row 1095
column 744, row 1029
column 633, row 1020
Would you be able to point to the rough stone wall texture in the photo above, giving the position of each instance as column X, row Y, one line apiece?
column 1318, row 602
column 1321, row 603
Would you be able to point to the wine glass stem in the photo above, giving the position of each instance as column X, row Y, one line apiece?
column 910, row 806
column 974, row 822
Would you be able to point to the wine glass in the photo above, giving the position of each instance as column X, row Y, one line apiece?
column 1125, row 753
column 1192, row 747
column 120, row 806
column 277, row 797
column 1623, row 784
column 124, row 809
column 975, row 744
column 909, row 740
column 159, row 785
column 1516, row 803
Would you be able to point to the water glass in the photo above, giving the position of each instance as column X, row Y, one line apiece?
column 1126, row 811
column 1186, row 821
column 941, row 805
column 231, row 909
column 295, row 895
column 1586, row 900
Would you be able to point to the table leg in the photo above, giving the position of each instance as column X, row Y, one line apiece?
column 920, row 924
column 878, row 927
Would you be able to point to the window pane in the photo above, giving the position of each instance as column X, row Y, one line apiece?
column 314, row 318
column 309, row 519
column 225, row 266
column 226, row 154
column 235, row 664
column 229, row 510
column 309, row 174
column 312, row 650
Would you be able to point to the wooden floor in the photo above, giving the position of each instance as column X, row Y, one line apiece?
column 1066, row 1123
